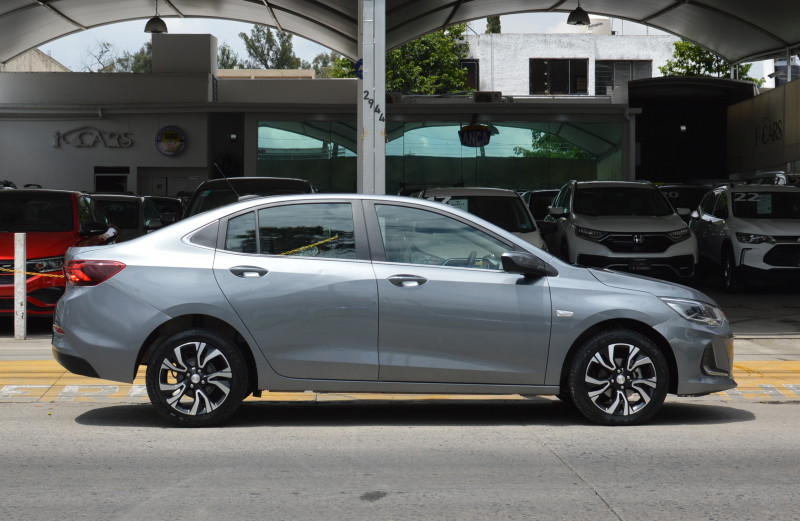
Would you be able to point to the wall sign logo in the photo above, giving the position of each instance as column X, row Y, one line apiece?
column 90, row 137
column 769, row 132
column 170, row 140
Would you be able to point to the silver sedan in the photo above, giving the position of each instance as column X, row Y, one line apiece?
column 363, row 293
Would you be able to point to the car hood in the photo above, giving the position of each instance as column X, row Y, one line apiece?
column 659, row 288
column 38, row 245
column 532, row 237
column 784, row 227
column 632, row 224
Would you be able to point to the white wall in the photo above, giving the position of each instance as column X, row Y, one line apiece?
column 504, row 58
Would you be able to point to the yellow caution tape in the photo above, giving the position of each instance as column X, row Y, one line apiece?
column 32, row 273
column 310, row 246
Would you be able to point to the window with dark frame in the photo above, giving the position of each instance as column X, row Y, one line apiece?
column 472, row 65
column 550, row 76
column 610, row 74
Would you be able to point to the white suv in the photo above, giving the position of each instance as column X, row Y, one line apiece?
column 503, row 208
column 750, row 231
column 621, row 225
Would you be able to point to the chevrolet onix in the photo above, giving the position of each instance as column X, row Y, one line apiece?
column 364, row 293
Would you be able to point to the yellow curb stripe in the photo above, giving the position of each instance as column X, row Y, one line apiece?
column 47, row 381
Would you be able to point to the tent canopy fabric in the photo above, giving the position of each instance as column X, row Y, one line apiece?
column 737, row 30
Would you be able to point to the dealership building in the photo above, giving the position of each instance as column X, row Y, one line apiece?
column 547, row 108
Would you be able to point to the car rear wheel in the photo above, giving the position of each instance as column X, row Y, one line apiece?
column 619, row 377
column 196, row 378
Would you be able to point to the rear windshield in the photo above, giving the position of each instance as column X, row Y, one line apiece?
column 209, row 198
column 508, row 213
column 22, row 211
column 620, row 201
column 766, row 205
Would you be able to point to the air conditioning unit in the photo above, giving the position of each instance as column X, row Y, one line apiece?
column 394, row 97
column 487, row 96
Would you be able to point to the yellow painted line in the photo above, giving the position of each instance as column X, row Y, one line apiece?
column 47, row 381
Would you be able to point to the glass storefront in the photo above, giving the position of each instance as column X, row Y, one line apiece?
column 519, row 155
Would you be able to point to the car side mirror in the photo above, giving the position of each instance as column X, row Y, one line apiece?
column 683, row 212
column 91, row 228
column 557, row 211
column 523, row 263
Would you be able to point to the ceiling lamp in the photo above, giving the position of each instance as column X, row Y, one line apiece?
column 578, row 16
column 157, row 25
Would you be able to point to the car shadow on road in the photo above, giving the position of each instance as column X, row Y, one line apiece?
column 471, row 413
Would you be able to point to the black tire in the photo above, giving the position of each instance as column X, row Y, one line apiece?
column 564, row 253
column 619, row 377
column 196, row 378
column 731, row 280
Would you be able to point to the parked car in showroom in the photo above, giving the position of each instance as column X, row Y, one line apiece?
column 133, row 215
column 750, row 232
column 53, row 220
column 684, row 196
column 621, row 225
column 370, row 293
column 219, row 192
column 505, row 208
column 170, row 208
column 539, row 202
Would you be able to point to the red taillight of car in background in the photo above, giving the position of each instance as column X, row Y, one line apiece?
column 91, row 272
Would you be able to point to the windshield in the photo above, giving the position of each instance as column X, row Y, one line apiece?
column 508, row 213
column 767, row 205
column 22, row 211
column 620, row 201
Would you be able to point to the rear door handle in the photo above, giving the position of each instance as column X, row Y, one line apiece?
column 407, row 281
column 248, row 272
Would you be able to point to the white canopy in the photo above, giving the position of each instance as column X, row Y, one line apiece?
column 738, row 30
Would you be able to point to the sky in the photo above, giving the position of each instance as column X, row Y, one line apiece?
column 73, row 51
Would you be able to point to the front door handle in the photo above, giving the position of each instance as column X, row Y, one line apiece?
column 407, row 281
column 248, row 272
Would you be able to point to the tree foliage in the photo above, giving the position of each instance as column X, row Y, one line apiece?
column 139, row 62
column 545, row 144
column 100, row 58
column 324, row 64
column 228, row 59
column 694, row 60
column 493, row 25
column 268, row 50
column 428, row 65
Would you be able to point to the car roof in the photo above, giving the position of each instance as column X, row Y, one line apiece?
column 117, row 197
column 761, row 188
column 255, row 181
column 615, row 184
column 468, row 190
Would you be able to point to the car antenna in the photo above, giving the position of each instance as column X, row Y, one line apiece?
column 228, row 181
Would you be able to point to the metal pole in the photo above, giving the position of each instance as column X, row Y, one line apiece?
column 20, row 287
column 372, row 98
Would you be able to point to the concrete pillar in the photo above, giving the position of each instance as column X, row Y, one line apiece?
column 372, row 97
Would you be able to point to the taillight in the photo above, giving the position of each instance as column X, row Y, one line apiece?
column 91, row 272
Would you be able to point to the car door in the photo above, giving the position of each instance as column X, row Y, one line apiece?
column 701, row 225
column 448, row 312
column 299, row 277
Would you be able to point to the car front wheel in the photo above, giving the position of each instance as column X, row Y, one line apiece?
column 196, row 378
column 619, row 377
column 730, row 273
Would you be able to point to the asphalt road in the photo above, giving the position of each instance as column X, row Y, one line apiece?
column 701, row 459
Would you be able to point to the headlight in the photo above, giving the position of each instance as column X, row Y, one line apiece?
column 753, row 238
column 680, row 235
column 45, row 265
column 696, row 311
column 589, row 234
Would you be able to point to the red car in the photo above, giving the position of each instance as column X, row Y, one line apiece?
column 53, row 220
